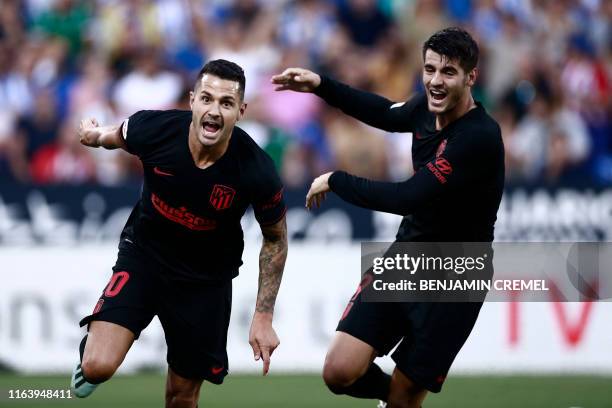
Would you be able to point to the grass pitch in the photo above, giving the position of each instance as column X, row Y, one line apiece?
column 303, row 391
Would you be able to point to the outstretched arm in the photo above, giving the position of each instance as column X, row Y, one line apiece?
column 367, row 107
column 262, row 337
column 396, row 198
column 93, row 135
column 463, row 163
column 296, row 79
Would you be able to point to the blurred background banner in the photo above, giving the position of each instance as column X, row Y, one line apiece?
column 46, row 295
column 75, row 215
column 545, row 75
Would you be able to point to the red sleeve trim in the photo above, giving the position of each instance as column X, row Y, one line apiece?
column 277, row 219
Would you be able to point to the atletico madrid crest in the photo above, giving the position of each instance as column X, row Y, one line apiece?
column 221, row 197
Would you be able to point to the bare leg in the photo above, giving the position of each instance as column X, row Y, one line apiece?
column 349, row 369
column 404, row 392
column 348, row 359
column 181, row 392
column 106, row 347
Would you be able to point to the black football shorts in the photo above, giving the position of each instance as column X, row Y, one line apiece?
column 430, row 334
column 195, row 316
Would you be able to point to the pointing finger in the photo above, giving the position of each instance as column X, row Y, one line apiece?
column 266, row 360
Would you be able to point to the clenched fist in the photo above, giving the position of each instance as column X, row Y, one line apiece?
column 88, row 134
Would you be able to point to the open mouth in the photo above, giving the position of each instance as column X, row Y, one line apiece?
column 437, row 94
column 210, row 126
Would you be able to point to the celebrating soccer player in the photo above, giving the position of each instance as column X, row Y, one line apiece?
column 182, row 244
column 453, row 196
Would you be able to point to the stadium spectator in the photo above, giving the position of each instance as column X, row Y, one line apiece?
column 12, row 23
column 15, row 82
column 487, row 19
column 64, row 161
column 507, row 53
column 357, row 148
column 66, row 19
column 254, row 53
column 550, row 140
column 423, row 19
column 391, row 68
column 307, row 24
column 123, row 28
column 178, row 22
column 583, row 77
column 365, row 22
column 13, row 167
column 88, row 96
column 552, row 25
column 33, row 132
column 147, row 86
column 90, row 56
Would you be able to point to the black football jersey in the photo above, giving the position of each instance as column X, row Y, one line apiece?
column 187, row 218
column 458, row 178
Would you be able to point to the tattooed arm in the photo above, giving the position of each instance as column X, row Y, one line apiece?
column 271, row 264
column 262, row 337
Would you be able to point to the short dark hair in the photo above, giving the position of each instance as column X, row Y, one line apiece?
column 455, row 44
column 225, row 70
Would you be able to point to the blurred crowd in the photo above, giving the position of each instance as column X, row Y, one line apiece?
column 545, row 74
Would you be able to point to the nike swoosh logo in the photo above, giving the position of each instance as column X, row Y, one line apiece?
column 156, row 170
column 216, row 370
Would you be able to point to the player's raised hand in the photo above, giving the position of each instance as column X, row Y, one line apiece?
column 263, row 339
column 296, row 79
column 318, row 189
column 87, row 135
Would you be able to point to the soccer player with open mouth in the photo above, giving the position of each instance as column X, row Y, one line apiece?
column 183, row 242
column 453, row 196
